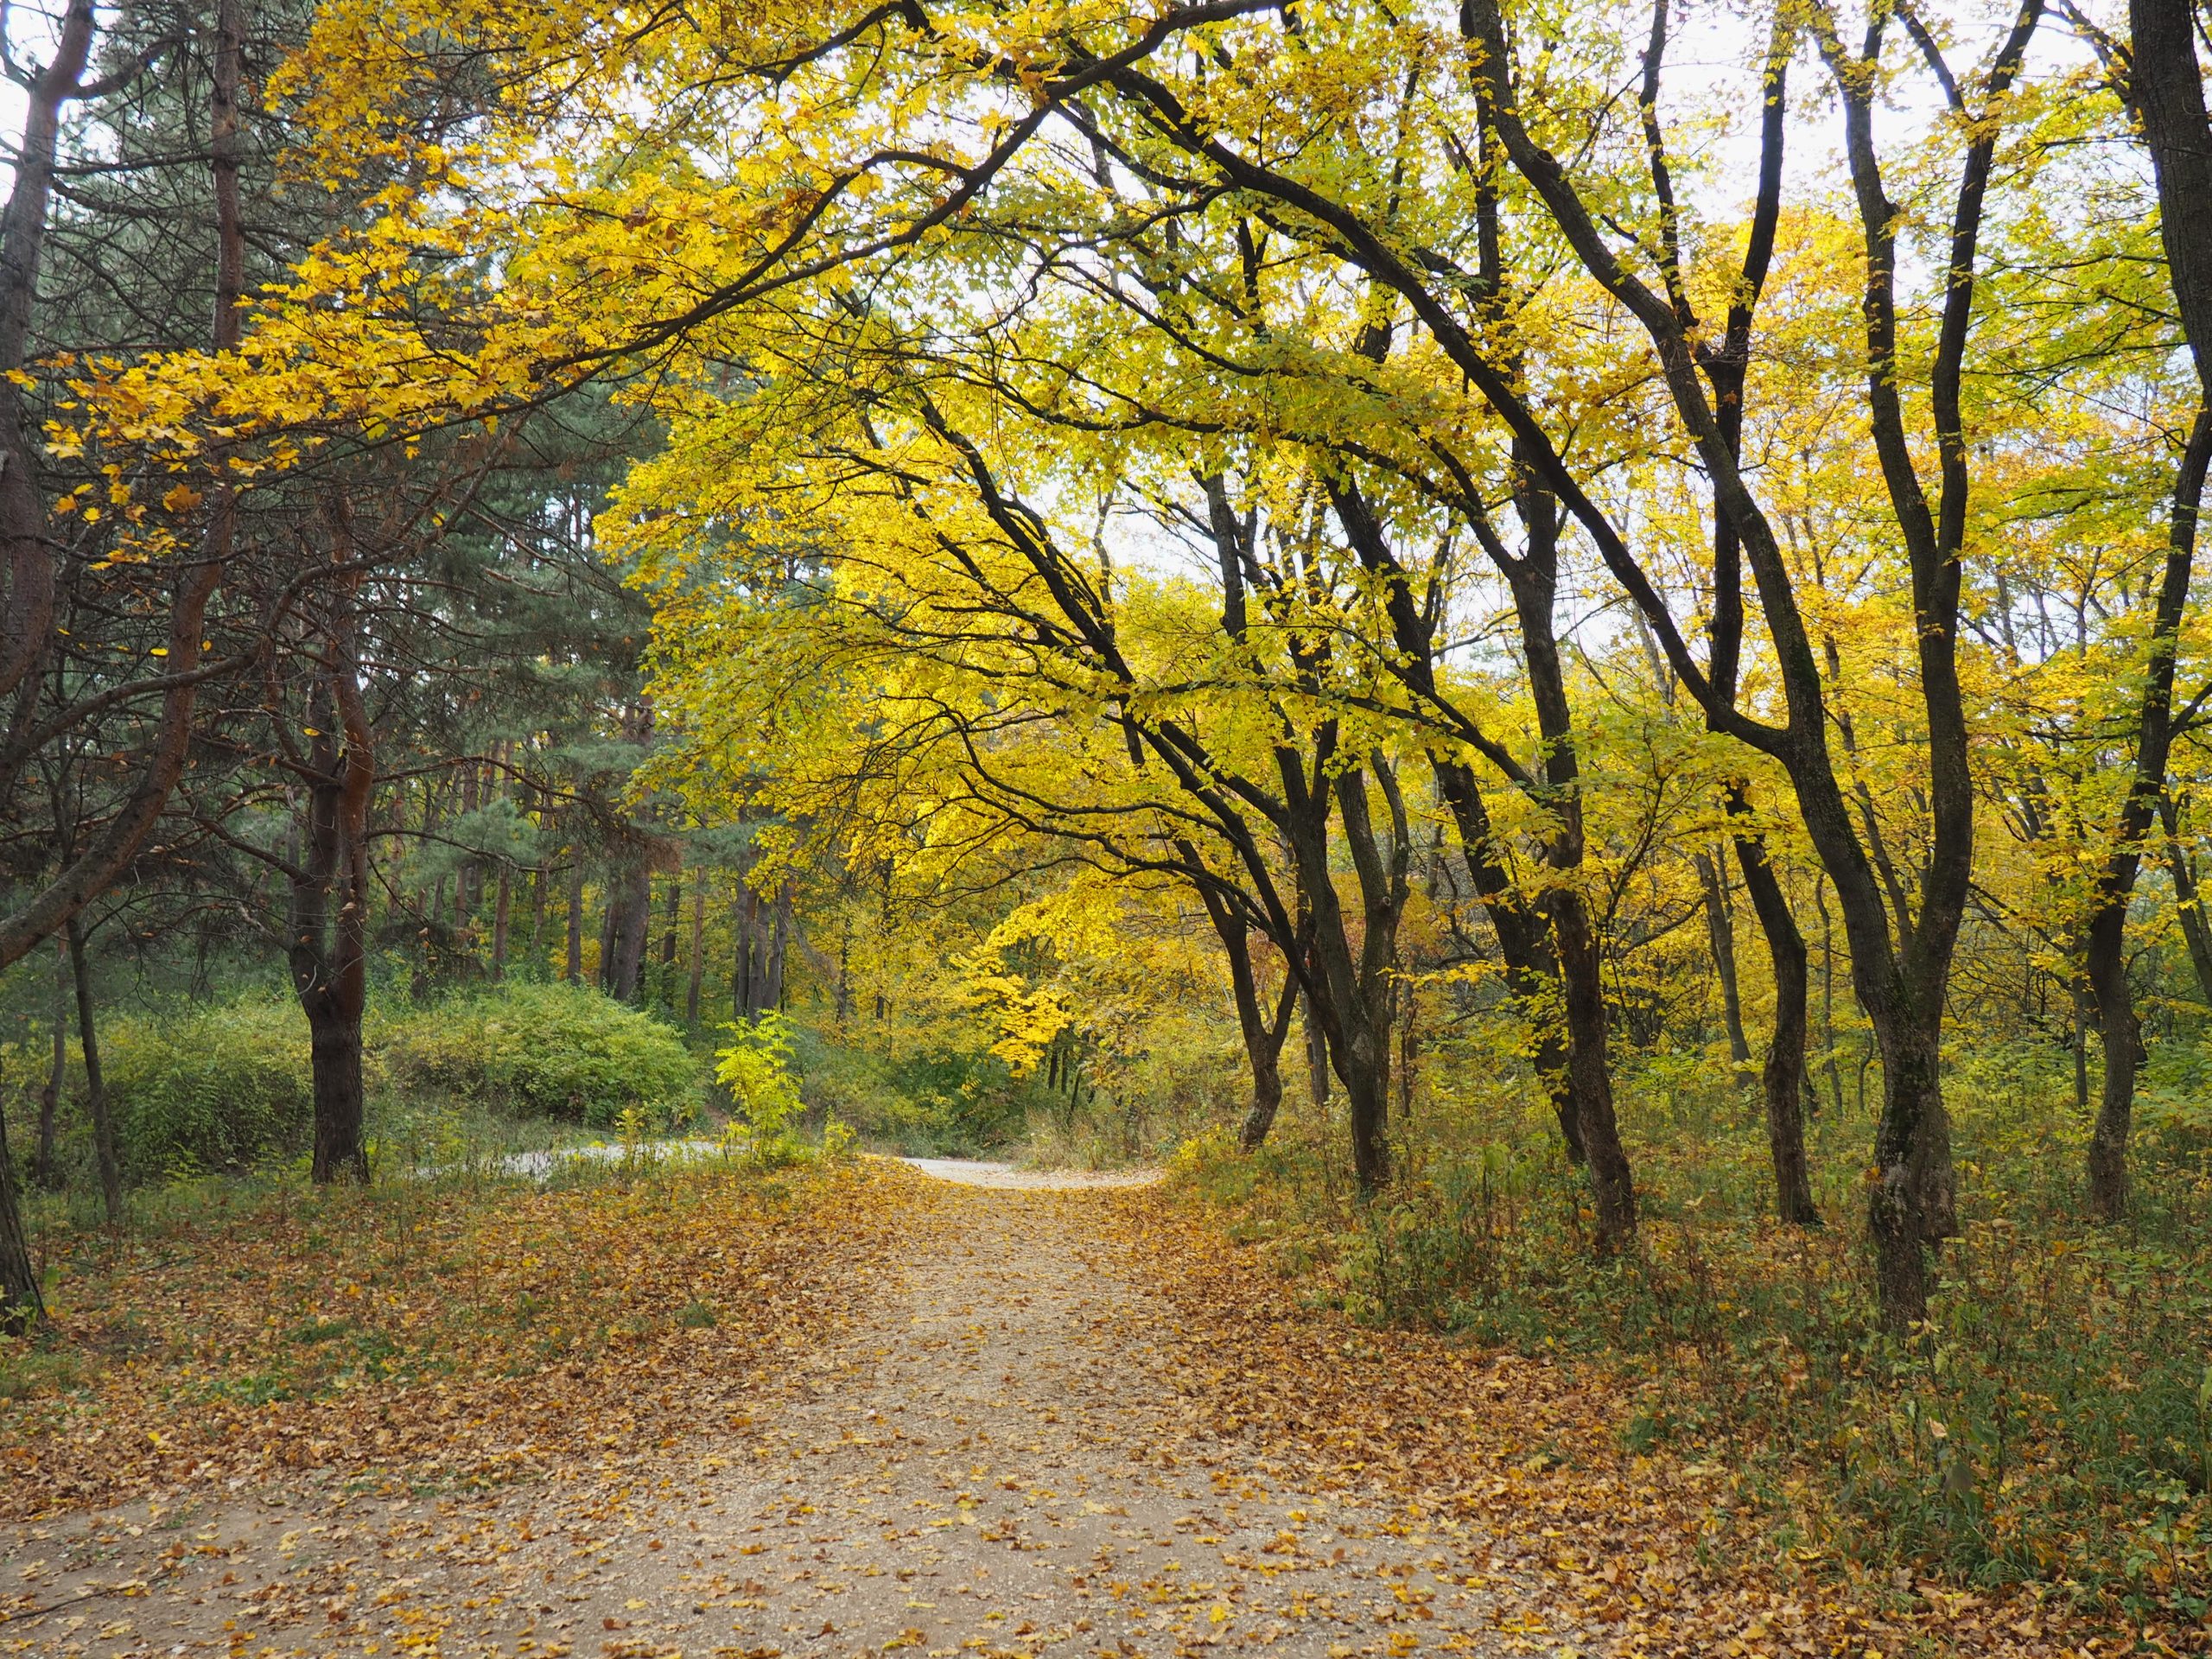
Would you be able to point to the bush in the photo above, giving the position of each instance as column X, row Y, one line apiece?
column 929, row 1102
column 551, row 1050
column 214, row 1088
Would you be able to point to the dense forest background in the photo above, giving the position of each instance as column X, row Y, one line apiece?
column 1557, row 651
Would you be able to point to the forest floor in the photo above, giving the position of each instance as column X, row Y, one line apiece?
column 1012, row 1419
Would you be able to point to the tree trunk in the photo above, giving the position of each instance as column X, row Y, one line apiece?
column 106, row 1157
column 1784, row 1081
column 572, row 964
column 1912, row 1207
column 2196, row 932
column 1263, row 1036
column 674, row 914
column 26, row 543
column 334, row 1049
column 328, row 926
column 1317, row 1060
column 1721, row 933
column 21, row 1305
column 1354, row 990
column 1612, row 1189
column 609, row 920
column 46, row 1169
column 1408, row 1047
column 537, row 948
column 779, row 937
column 743, row 907
column 2105, row 958
column 698, row 949
column 629, row 918
column 500, row 904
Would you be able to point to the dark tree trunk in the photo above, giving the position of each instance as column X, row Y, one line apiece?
column 329, row 924
column 2196, row 932
column 672, row 916
column 1348, row 989
column 629, row 918
column 2105, row 959
column 1531, row 962
column 779, row 937
column 27, row 545
column 2166, row 87
column 1720, row 934
column 1556, row 785
column 608, row 922
column 744, row 913
column 1317, row 1060
column 536, row 959
column 106, row 1157
column 1408, row 1072
column 501, row 903
column 698, row 950
column 21, row 1305
column 334, row 1049
column 46, row 1169
column 1263, row 1035
column 1353, row 988
column 572, row 964
column 1784, row 1081
column 1611, row 1182
column 1912, row 1207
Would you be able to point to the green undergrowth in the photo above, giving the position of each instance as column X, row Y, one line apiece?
column 218, row 1087
column 2052, row 1425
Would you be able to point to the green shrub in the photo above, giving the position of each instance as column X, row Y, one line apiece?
column 548, row 1050
column 929, row 1102
column 756, row 1069
column 213, row 1088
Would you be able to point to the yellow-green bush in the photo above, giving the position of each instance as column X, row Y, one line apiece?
column 552, row 1051
column 217, row 1087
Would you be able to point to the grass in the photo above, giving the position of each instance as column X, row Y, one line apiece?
column 2051, row 1426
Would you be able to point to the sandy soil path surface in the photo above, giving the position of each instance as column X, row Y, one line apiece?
column 978, row 1465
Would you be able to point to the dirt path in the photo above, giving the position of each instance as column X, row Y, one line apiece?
column 989, row 1461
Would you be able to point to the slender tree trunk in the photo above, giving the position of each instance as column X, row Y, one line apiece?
column 1354, row 989
column 1827, row 992
column 743, row 907
column 2106, row 958
column 1721, row 933
column 1317, row 1060
column 698, row 949
column 780, row 935
column 2196, row 932
column 572, row 964
column 673, row 916
column 1263, row 1036
column 46, row 1169
column 26, row 543
column 751, row 969
column 328, row 926
column 1409, row 1048
column 501, row 902
column 1785, row 1080
column 1611, row 1185
column 609, row 920
column 21, row 1305
column 106, row 1157
column 2078, row 997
